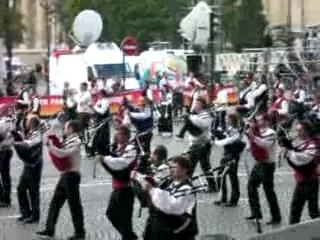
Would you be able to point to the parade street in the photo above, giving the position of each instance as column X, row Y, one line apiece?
column 95, row 193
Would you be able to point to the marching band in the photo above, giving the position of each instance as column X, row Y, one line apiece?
column 166, row 186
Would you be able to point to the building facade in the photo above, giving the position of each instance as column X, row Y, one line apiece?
column 40, row 23
column 296, row 14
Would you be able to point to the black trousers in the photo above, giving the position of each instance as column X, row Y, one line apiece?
column 101, row 141
column 67, row 189
column 263, row 173
column 120, row 212
column 5, row 178
column 188, row 126
column 232, row 174
column 201, row 153
column 29, row 191
column 306, row 191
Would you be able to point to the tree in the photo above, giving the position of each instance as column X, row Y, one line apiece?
column 146, row 20
column 11, row 29
column 244, row 23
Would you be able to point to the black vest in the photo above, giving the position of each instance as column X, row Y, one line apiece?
column 242, row 100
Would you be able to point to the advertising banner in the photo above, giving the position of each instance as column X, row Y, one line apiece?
column 53, row 104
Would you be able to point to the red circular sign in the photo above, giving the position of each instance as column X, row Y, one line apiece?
column 129, row 46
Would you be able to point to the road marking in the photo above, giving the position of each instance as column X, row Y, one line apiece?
column 9, row 217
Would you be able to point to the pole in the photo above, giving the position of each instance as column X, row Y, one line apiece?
column 212, row 56
column 124, row 68
column 289, row 22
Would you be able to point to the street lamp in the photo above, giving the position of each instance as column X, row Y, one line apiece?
column 50, row 9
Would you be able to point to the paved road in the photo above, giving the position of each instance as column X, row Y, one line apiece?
column 95, row 194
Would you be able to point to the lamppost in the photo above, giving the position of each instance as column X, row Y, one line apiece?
column 9, row 10
column 50, row 7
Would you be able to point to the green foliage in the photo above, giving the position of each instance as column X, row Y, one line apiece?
column 146, row 20
column 10, row 21
column 245, row 24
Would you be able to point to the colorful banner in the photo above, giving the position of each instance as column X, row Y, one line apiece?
column 53, row 104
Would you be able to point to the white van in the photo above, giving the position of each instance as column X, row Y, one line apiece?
column 99, row 61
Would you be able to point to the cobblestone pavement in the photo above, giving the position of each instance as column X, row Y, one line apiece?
column 95, row 193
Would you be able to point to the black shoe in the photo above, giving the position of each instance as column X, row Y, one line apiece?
column 252, row 217
column 31, row 220
column 45, row 234
column 218, row 203
column 230, row 204
column 77, row 237
column 22, row 218
column 274, row 222
column 5, row 204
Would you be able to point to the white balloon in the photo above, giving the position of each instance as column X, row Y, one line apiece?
column 87, row 27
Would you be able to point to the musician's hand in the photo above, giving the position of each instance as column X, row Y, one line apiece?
column 148, row 186
column 133, row 174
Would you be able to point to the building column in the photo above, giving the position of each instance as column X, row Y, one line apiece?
column 40, row 25
column 24, row 8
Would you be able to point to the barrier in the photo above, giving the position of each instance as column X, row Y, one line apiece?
column 53, row 104
column 309, row 230
column 216, row 237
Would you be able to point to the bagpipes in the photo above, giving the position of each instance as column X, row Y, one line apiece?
column 30, row 155
column 138, row 146
column 61, row 163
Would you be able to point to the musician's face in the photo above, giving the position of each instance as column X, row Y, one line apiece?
column 177, row 171
column 121, row 137
column 261, row 122
column 198, row 106
column 301, row 133
column 68, row 129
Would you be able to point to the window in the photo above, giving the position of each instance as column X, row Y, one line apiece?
column 112, row 70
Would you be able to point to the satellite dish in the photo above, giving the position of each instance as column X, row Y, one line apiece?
column 87, row 28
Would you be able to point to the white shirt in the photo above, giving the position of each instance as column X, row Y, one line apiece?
column 102, row 106
column 302, row 95
column 163, row 82
column 232, row 135
column 71, row 102
column 203, row 121
column 171, row 202
column 222, row 99
column 284, row 107
column 303, row 157
column 123, row 161
column 84, row 102
column 36, row 104
column 25, row 99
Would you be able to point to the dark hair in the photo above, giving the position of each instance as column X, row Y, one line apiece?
column 103, row 93
column 307, row 126
column 34, row 122
column 233, row 119
column 75, row 125
column 182, row 162
column 84, row 84
column 162, row 152
column 265, row 116
column 124, row 129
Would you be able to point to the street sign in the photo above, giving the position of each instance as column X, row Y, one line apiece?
column 129, row 46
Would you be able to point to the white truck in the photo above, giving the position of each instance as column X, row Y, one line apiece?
column 99, row 61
